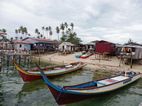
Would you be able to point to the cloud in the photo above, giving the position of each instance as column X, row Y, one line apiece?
column 113, row 20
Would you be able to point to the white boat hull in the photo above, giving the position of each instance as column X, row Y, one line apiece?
column 107, row 88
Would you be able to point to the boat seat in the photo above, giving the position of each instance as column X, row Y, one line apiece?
column 119, row 78
column 68, row 66
column 100, row 84
column 105, row 82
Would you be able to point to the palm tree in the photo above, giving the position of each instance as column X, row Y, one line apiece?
column 63, row 33
column 41, row 35
column 47, row 29
column 58, row 31
column 72, row 25
column 19, row 30
column 25, row 30
column 4, row 30
column 21, row 27
column 16, row 31
column 66, row 25
column 50, row 33
column 11, row 39
column 62, row 27
column 69, row 31
column 36, row 31
column 43, row 28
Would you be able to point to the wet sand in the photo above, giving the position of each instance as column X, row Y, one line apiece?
column 112, row 63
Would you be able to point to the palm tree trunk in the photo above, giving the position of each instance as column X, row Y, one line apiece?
column 43, row 32
column 58, row 37
column 47, row 35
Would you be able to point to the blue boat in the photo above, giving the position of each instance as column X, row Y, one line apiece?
column 69, row 94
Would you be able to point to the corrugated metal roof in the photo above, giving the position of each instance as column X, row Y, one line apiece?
column 35, row 40
column 21, row 42
column 67, row 43
column 134, row 46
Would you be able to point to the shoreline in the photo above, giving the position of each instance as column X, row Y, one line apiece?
column 112, row 64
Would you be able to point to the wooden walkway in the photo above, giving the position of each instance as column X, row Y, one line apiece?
column 7, row 57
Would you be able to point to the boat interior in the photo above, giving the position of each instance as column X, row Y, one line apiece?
column 57, row 67
column 103, row 82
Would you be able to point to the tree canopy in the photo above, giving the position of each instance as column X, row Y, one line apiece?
column 68, row 34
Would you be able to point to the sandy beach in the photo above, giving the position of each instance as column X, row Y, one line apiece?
column 112, row 63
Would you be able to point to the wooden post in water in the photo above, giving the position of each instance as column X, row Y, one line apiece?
column 39, row 60
column 30, row 59
column 131, row 64
column 13, row 59
column 99, row 57
column 1, row 63
column 39, row 56
column 120, row 60
column 25, row 62
column 8, row 59
column 0, row 68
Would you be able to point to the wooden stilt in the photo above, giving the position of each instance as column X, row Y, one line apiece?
column 131, row 64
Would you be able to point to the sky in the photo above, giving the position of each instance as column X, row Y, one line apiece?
column 112, row 20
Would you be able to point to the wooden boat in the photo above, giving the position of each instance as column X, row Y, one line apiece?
column 84, row 56
column 69, row 94
column 78, row 56
column 33, row 74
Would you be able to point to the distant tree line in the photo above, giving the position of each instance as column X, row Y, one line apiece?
column 64, row 29
column 46, row 32
column 22, row 31
column 65, row 33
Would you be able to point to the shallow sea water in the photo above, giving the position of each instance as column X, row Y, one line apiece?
column 14, row 92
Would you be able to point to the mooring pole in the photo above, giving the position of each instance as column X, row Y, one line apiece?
column 120, row 60
column 131, row 64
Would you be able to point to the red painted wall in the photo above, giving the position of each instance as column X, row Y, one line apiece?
column 104, row 46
